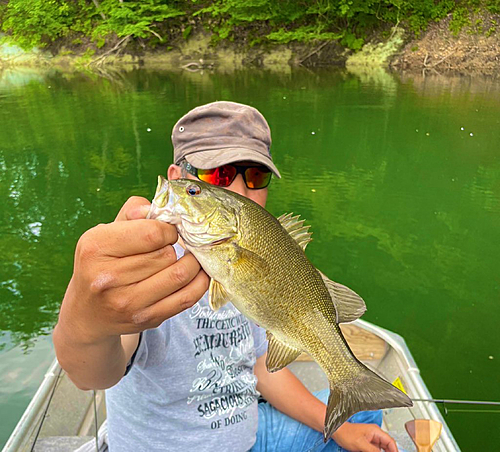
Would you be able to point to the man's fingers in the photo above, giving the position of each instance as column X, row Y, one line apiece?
column 168, row 281
column 133, row 269
column 384, row 441
column 174, row 303
column 126, row 238
column 389, row 446
column 136, row 208
column 368, row 447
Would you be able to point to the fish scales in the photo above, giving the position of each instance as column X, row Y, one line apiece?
column 286, row 295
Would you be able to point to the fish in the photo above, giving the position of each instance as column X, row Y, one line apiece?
column 257, row 262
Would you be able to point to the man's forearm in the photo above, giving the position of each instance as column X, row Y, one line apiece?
column 90, row 365
column 287, row 394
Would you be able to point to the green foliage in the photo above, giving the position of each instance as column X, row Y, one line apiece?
column 137, row 19
column 493, row 28
column 460, row 19
column 420, row 13
column 187, row 31
column 493, row 6
column 350, row 40
column 38, row 22
column 346, row 20
column 302, row 34
column 32, row 23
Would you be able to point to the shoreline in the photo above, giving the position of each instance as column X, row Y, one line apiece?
column 437, row 50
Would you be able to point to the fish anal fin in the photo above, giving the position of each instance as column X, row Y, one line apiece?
column 348, row 304
column 217, row 295
column 279, row 354
column 366, row 391
column 295, row 227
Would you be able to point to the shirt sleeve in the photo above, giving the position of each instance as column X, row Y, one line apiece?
column 132, row 359
column 259, row 340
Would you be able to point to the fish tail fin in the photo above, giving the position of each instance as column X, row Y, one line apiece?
column 367, row 391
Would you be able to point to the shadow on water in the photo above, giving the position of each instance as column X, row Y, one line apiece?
column 398, row 175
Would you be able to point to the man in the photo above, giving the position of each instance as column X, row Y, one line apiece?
column 182, row 377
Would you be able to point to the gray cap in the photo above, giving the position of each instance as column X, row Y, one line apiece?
column 222, row 132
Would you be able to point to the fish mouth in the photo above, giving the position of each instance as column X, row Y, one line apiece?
column 163, row 205
column 193, row 227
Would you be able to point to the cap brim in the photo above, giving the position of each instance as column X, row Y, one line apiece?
column 219, row 157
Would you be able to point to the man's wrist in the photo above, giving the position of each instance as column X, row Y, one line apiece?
column 342, row 433
column 73, row 331
column 76, row 336
column 75, row 325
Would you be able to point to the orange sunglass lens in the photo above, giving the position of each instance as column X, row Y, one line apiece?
column 256, row 178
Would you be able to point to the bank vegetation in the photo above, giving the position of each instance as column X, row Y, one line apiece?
column 96, row 29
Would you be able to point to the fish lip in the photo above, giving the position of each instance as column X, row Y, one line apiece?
column 159, row 209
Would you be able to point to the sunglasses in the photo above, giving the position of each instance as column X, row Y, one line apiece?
column 255, row 176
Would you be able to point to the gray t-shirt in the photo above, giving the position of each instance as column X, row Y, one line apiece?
column 191, row 386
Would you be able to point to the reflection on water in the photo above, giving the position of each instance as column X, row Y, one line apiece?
column 398, row 177
column 19, row 380
column 18, row 77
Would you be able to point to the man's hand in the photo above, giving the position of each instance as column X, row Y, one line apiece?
column 126, row 279
column 364, row 438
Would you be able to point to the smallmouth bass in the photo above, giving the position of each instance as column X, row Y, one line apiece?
column 258, row 263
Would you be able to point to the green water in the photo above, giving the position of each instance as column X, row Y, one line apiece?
column 400, row 179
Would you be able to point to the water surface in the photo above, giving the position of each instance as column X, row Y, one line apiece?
column 400, row 178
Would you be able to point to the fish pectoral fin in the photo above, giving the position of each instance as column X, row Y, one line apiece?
column 217, row 295
column 279, row 354
column 295, row 227
column 251, row 264
column 348, row 304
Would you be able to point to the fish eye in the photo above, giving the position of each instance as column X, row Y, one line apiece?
column 193, row 190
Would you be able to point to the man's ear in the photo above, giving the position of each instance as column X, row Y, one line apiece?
column 174, row 172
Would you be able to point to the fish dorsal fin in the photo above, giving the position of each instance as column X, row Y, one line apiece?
column 279, row 354
column 348, row 304
column 217, row 295
column 295, row 227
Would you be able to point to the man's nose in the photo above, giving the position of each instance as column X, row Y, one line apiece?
column 238, row 186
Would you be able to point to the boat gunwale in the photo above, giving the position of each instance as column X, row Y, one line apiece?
column 24, row 428
column 418, row 386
